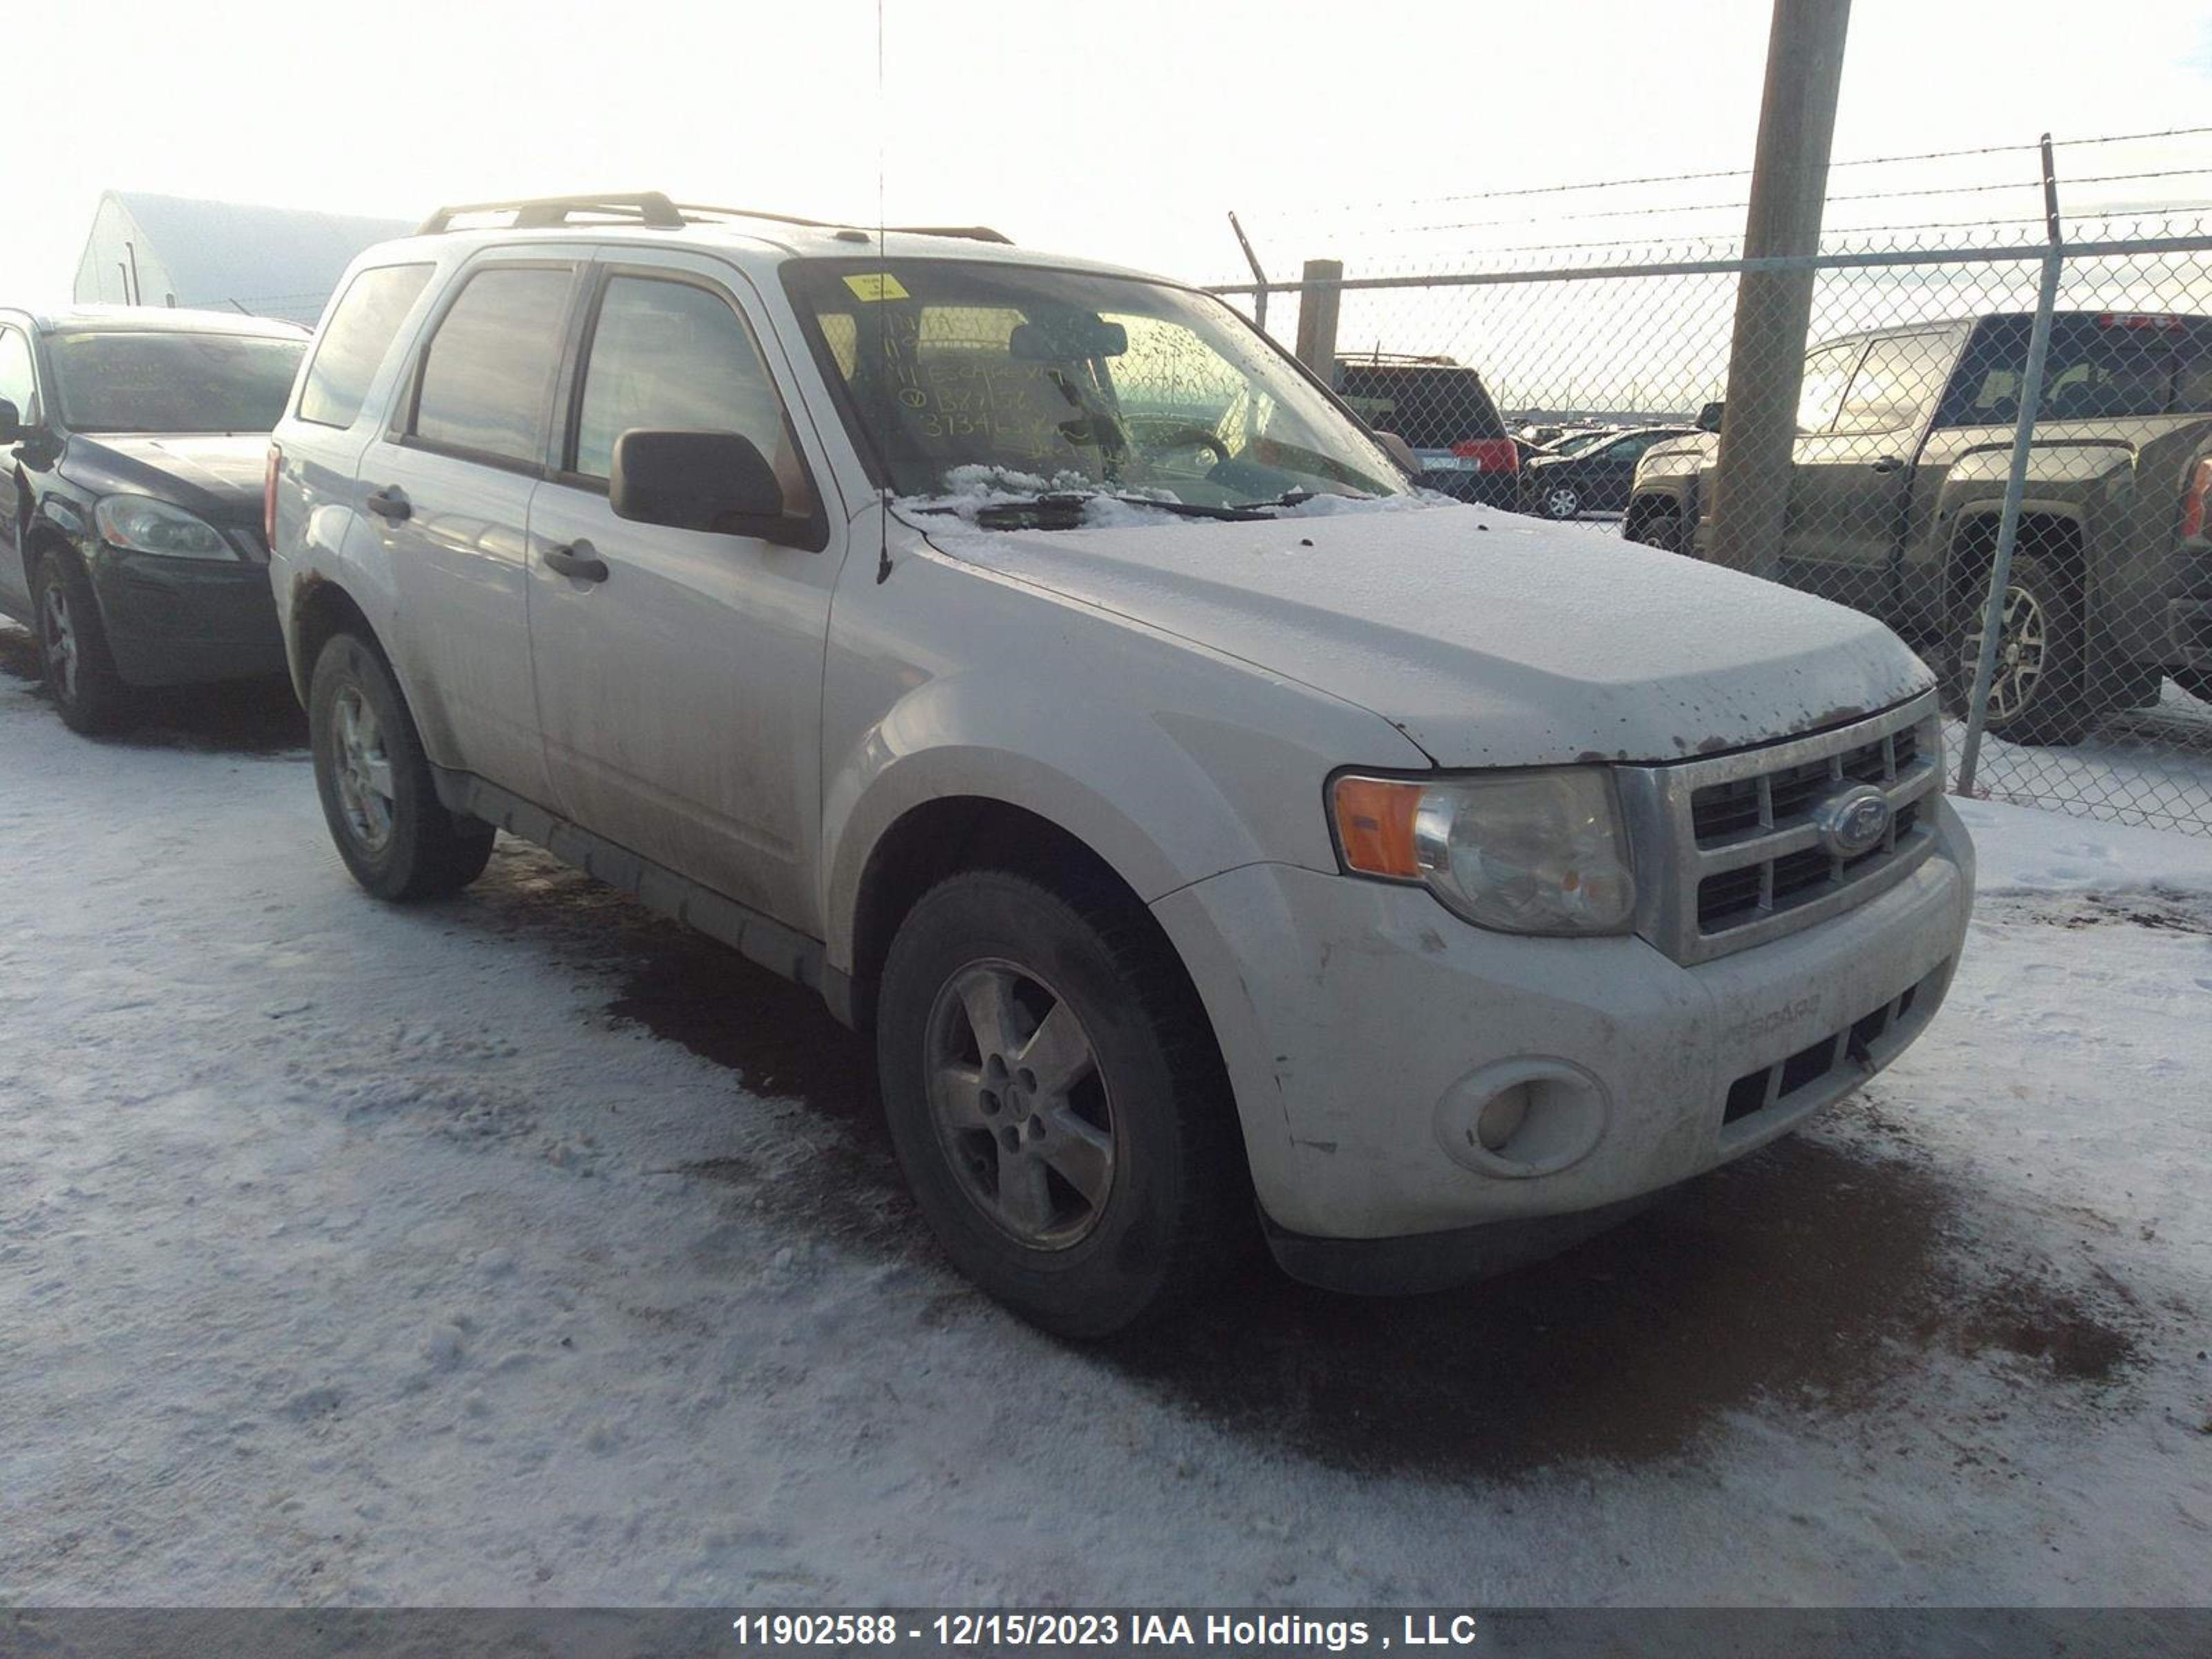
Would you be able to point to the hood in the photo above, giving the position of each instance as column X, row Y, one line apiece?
column 1487, row 638
column 217, row 476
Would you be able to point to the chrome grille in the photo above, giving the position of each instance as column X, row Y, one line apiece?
column 1727, row 853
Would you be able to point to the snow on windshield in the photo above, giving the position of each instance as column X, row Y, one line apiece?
column 971, row 492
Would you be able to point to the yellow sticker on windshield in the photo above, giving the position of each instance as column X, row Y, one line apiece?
column 876, row 285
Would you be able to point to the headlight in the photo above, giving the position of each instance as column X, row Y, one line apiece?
column 1534, row 851
column 146, row 525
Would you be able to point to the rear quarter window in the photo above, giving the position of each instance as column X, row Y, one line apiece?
column 354, row 343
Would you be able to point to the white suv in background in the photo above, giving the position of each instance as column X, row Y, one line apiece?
column 1031, row 657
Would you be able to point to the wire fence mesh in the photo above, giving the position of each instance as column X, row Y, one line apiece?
column 1592, row 391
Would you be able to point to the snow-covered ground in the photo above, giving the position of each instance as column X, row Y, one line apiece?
column 524, row 1249
column 2149, row 766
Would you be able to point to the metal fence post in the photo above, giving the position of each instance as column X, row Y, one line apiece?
column 1259, row 276
column 2023, row 436
column 1321, row 297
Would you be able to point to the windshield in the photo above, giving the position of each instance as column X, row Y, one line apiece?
column 1053, row 380
column 137, row 380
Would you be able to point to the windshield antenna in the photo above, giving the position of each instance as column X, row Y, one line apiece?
column 883, row 332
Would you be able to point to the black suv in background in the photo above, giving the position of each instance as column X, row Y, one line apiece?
column 133, row 443
column 1444, row 413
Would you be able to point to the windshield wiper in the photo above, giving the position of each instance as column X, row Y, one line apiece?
column 1288, row 498
column 1064, row 509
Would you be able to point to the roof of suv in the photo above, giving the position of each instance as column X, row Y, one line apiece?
column 155, row 320
column 759, row 238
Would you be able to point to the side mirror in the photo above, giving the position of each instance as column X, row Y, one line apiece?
column 717, row 482
column 11, row 422
column 1709, row 417
column 1400, row 452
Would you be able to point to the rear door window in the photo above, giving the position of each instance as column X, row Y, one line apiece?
column 1897, row 384
column 486, row 383
column 353, row 345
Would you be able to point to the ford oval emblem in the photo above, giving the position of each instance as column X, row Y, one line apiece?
column 1852, row 821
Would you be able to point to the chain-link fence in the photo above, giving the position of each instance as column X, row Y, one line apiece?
column 2045, row 412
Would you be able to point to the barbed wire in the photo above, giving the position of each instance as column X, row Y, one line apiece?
column 1577, row 185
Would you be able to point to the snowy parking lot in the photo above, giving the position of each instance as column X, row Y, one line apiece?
column 525, row 1249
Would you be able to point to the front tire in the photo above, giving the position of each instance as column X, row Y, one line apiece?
column 395, row 837
column 73, row 654
column 1563, row 502
column 2038, row 694
column 1057, row 1102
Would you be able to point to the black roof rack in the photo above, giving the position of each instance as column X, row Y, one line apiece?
column 654, row 210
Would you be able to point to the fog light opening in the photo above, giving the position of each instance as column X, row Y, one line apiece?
column 1535, row 1115
column 1501, row 1119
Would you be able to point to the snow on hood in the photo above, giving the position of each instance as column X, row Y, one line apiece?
column 1487, row 638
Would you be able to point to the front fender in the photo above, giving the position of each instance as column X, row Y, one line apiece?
column 1164, row 798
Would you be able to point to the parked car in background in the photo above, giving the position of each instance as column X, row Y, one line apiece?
column 1445, row 415
column 1196, row 820
column 1575, row 440
column 1592, row 476
column 134, row 442
column 1903, row 447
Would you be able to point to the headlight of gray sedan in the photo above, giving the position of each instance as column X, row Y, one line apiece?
column 1542, row 851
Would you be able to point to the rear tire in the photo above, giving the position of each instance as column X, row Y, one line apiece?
column 395, row 837
column 1663, row 530
column 2037, row 695
column 1057, row 1102
column 73, row 654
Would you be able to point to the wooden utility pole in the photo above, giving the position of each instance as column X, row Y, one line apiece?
column 1774, row 308
column 1318, row 305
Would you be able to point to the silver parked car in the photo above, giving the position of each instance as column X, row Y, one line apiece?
column 1218, row 837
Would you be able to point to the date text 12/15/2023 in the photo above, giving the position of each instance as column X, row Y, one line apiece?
column 1001, row 1631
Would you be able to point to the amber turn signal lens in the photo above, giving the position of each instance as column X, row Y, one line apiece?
column 1375, row 825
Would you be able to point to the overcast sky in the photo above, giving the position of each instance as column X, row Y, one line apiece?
column 1122, row 129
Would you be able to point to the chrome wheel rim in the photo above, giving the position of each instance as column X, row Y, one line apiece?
column 1564, row 503
column 57, row 637
column 364, row 769
column 2023, row 641
column 1020, row 1105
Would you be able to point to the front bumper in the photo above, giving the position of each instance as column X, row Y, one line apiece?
column 1365, row 1027
column 185, row 622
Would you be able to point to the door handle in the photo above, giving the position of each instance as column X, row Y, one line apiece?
column 1886, row 464
column 579, row 559
column 390, row 503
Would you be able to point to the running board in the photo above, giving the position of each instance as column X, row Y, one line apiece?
column 760, row 938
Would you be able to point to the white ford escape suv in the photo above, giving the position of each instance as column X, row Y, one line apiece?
column 1032, row 658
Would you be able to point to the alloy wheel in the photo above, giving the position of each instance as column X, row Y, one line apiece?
column 363, row 767
column 2023, row 639
column 58, row 636
column 1020, row 1104
column 1563, row 502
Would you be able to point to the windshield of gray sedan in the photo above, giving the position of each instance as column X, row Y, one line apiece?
column 137, row 380
column 1071, row 382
